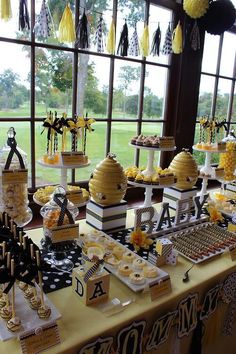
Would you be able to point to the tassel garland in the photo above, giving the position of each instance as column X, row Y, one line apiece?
column 67, row 27
column 44, row 25
column 156, row 41
column 123, row 42
column 177, row 39
column 167, row 46
column 24, row 22
column 82, row 33
column 111, row 38
column 5, row 10
column 134, row 45
column 144, row 41
column 99, row 41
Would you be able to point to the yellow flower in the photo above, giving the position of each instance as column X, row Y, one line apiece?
column 139, row 239
column 214, row 214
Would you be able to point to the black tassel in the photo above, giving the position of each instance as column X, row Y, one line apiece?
column 123, row 42
column 196, row 343
column 24, row 22
column 82, row 33
column 156, row 42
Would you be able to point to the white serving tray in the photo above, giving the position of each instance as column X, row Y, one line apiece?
column 162, row 275
column 29, row 318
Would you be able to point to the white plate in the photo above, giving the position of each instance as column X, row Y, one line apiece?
column 152, row 148
column 162, row 275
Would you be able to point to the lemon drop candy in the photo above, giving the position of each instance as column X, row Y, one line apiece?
column 228, row 159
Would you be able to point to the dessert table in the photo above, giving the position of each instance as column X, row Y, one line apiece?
column 81, row 325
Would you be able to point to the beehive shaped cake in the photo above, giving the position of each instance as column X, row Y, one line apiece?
column 108, row 182
column 185, row 169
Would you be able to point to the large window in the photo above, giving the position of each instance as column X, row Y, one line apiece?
column 217, row 93
column 126, row 95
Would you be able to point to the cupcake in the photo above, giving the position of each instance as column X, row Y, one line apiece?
column 139, row 178
column 150, row 272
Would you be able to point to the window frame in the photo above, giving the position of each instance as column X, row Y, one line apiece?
column 171, row 80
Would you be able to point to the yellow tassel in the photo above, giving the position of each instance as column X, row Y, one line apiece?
column 177, row 39
column 67, row 26
column 111, row 39
column 5, row 13
column 144, row 42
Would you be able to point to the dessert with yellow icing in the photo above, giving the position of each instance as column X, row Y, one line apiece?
column 14, row 324
column 44, row 312
column 128, row 257
column 42, row 195
column 124, row 270
column 112, row 260
column 139, row 263
column 136, row 278
column 118, row 251
column 150, row 272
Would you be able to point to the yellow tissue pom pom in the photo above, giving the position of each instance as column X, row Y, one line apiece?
column 195, row 8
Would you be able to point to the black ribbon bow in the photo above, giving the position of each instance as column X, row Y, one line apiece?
column 11, row 142
column 62, row 202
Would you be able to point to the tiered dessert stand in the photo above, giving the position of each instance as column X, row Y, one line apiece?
column 63, row 175
column 149, row 171
column 206, row 171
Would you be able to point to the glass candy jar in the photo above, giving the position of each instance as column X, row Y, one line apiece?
column 228, row 159
column 58, row 212
column 14, row 181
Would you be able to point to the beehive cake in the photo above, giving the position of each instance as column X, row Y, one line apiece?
column 185, row 169
column 108, row 183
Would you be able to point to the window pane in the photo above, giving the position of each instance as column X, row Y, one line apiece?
column 222, row 100
column 22, row 137
column 14, row 80
column 126, row 90
column 210, row 53
column 228, row 54
column 93, row 81
column 234, row 107
column 95, row 149
column 161, row 16
column 205, row 95
column 133, row 13
column 44, row 175
column 121, row 136
column 56, row 9
column 9, row 28
column 154, row 92
column 53, row 81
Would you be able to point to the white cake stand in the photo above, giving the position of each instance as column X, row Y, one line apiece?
column 63, row 168
column 206, row 170
column 149, row 171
